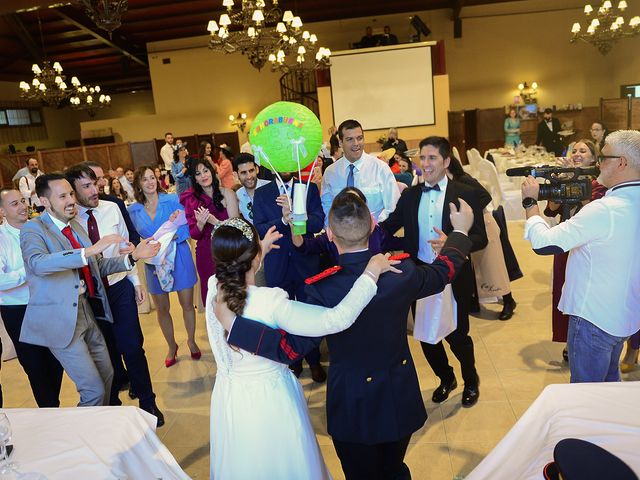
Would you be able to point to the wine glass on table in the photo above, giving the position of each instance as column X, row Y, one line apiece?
column 6, row 467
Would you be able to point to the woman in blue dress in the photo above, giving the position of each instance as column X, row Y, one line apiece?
column 153, row 208
column 512, row 129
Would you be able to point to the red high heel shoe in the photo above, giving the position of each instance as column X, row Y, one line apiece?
column 170, row 362
column 196, row 355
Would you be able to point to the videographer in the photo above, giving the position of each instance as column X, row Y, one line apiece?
column 601, row 293
column 584, row 154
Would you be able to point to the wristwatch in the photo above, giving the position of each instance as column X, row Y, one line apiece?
column 131, row 259
column 529, row 202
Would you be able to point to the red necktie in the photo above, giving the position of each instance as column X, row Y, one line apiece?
column 92, row 227
column 86, row 271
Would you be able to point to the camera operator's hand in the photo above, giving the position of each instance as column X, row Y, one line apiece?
column 530, row 188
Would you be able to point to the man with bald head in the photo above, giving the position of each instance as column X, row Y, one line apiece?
column 42, row 368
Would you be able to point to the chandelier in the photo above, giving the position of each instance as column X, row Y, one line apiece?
column 106, row 14
column 606, row 27
column 299, row 43
column 262, row 33
column 47, row 85
column 239, row 121
column 529, row 94
column 88, row 98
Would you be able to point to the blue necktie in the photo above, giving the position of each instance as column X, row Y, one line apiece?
column 427, row 188
column 350, row 176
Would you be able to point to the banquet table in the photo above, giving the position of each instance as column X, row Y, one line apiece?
column 606, row 414
column 96, row 443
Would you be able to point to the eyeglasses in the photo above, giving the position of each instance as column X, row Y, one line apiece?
column 602, row 158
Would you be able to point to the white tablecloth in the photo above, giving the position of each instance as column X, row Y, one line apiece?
column 96, row 443
column 607, row 414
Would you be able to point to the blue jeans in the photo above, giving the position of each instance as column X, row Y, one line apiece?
column 594, row 355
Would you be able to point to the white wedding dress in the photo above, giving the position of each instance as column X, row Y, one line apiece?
column 260, row 426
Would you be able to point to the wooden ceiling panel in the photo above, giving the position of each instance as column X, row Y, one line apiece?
column 121, row 62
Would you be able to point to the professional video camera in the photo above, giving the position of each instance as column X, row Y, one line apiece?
column 565, row 186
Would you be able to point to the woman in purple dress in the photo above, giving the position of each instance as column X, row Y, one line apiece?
column 206, row 204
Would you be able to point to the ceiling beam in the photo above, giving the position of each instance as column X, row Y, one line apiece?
column 457, row 5
column 118, row 42
column 24, row 36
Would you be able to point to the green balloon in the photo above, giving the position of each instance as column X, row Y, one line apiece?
column 284, row 132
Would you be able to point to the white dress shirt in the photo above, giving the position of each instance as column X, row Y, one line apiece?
column 127, row 187
column 14, row 289
column 244, row 200
column 26, row 184
column 372, row 176
column 110, row 220
column 429, row 216
column 602, row 283
column 166, row 153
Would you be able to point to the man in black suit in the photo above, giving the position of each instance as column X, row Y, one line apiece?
column 286, row 268
column 423, row 211
column 374, row 402
column 548, row 135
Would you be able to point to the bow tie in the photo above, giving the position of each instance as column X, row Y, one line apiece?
column 427, row 188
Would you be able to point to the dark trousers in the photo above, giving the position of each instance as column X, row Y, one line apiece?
column 459, row 340
column 42, row 368
column 129, row 340
column 383, row 461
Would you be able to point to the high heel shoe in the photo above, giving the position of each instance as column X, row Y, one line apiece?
column 196, row 355
column 629, row 367
column 170, row 362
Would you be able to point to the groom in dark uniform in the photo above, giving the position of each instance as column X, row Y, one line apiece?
column 374, row 402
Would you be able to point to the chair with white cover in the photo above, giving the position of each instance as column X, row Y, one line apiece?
column 509, row 199
column 473, row 156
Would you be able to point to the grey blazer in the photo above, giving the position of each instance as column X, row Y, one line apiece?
column 52, row 274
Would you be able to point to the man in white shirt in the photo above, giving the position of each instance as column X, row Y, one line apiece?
column 601, row 293
column 101, row 218
column 246, row 172
column 42, row 368
column 359, row 169
column 27, row 183
column 166, row 152
column 126, row 181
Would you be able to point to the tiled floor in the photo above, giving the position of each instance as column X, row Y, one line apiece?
column 515, row 360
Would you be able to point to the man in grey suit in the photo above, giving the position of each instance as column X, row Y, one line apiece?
column 64, row 272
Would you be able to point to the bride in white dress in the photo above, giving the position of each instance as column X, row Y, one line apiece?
column 260, row 426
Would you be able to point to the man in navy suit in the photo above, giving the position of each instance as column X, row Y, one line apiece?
column 373, row 397
column 286, row 267
column 423, row 211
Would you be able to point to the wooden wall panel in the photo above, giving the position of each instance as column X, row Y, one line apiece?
column 457, row 134
column 490, row 128
column 100, row 154
column 144, row 153
column 120, row 155
column 635, row 114
column 615, row 113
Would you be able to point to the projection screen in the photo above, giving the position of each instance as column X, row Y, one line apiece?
column 384, row 87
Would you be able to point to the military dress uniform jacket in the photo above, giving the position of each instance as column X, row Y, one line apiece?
column 373, row 394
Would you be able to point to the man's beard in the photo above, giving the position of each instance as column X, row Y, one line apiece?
column 34, row 171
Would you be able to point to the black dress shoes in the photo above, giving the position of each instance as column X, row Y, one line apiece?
column 470, row 395
column 507, row 310
column 318, row 374
column 441, row 393
column 155, row 411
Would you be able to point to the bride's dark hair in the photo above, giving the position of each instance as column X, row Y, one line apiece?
column 233, row 253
